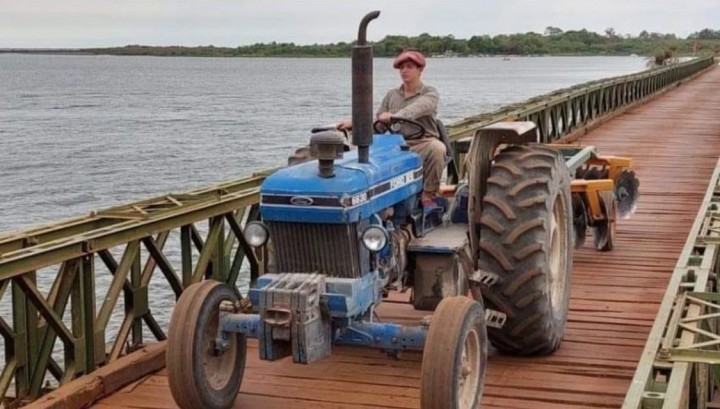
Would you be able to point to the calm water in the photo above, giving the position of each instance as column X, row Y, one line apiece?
column 85, row 133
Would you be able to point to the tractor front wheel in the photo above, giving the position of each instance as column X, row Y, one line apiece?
column 455, row 356
column 201, row 376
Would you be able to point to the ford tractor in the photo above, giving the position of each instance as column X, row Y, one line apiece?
column 346, row 228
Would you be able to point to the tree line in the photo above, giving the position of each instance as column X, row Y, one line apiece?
column 553, row 41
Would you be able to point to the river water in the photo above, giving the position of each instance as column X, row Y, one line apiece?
column 81, row 133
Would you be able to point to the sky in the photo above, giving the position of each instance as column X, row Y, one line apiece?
column 231, row 23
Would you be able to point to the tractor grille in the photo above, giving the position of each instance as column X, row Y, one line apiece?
column 331, row 249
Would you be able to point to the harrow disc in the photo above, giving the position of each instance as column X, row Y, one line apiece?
column 627, row 193
column 579, row 219
column 604, row 231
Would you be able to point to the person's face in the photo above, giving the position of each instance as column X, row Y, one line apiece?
column 409, row 72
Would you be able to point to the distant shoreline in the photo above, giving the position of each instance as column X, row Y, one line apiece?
column 555, row 42
column 87, row 53
column 44, row 51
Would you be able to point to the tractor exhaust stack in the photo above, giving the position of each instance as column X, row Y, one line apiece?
column 362, row 90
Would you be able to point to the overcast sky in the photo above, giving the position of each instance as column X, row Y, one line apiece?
column 92, row 23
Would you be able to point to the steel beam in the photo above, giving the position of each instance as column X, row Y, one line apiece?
column 34, row 258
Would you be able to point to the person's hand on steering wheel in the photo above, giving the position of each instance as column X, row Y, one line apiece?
column 381, row 125
column 385, row 117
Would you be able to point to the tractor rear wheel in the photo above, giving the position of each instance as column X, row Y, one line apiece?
column 455, row 356
column 198, row 374
column 526, row 239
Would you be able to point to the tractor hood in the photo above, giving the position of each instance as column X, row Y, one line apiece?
column 358, row 190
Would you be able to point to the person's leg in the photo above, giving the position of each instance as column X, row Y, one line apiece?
column 432, row 151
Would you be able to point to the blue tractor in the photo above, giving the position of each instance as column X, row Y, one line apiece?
column 346, row 228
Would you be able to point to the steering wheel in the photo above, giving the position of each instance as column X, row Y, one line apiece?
column 381, row 127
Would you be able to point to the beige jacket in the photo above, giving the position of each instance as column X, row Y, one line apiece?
column 421, row 107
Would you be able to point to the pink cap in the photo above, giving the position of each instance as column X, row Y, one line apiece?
column 409, row 55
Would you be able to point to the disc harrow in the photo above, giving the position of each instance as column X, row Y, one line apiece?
column 604, row 190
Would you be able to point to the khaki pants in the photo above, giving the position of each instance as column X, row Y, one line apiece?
column 432, row 151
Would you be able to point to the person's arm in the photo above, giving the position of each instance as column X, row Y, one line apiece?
column 344, row 125
column 425, row 105
column 384, row 105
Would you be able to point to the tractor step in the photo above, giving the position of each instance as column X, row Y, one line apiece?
column 484, row 278
column 494, row 318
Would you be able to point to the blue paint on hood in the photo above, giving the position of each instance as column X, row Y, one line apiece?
column 358, row 190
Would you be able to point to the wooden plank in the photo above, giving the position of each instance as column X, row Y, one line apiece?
column 104, row 381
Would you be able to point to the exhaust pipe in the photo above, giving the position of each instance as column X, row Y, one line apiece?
column 362, row 90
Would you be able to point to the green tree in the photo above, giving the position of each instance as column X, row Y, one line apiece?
column 552, row 31
column 553, row 41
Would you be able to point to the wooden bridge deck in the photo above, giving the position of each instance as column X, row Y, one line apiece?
column 675, row 141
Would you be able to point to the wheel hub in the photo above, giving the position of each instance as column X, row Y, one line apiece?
column 217, row 360
column 468, row 375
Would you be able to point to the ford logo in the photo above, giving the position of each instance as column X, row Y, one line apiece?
column 301, row 200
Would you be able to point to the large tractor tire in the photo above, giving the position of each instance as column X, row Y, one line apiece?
column 455, row 356
column 198, row 375
column 526, row 239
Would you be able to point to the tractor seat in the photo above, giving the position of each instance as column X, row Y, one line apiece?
column 449, row 151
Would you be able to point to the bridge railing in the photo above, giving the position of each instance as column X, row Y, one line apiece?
column 60, row 318
column 128, row 243
column 567, row 111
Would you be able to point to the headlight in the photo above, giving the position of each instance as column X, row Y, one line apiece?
column 256, row 234
column 375, row 238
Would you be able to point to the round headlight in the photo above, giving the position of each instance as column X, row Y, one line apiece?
column 375, row 238
column 256, row 234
